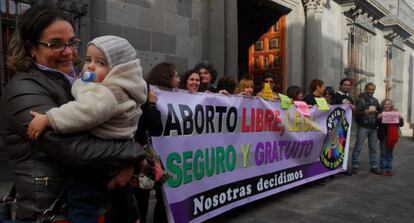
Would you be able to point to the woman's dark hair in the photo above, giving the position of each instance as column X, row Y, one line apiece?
column 329, row 90
column 161, row 74
column 228, row 83
column 209, row 67
column 30, row 27
column 293, row 91
column 314, row 83
column 184, row 78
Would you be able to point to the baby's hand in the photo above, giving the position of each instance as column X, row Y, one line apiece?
column 38, row 125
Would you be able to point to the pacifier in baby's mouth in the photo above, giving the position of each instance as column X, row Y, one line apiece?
column 88, row 76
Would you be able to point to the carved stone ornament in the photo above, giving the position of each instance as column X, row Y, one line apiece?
column 316, row 5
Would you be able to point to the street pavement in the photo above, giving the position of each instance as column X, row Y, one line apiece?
column 363, row 197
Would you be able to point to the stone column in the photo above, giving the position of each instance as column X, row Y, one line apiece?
column 313, row 40
column 231, row 39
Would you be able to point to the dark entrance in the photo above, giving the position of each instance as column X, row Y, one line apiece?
column 261, row 41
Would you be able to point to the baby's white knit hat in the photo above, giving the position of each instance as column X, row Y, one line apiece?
column 117, row 50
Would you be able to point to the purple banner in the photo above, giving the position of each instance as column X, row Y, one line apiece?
column 225, row 151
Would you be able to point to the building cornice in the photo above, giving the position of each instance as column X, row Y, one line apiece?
column 410, row 42
column 371, row 7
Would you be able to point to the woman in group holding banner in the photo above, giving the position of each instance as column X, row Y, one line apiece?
column 208, row 76
column 246, row 87
column 316, row 88
column 190, row 81
column 268, row 85
column 295, row 93
column 388, row 135
column 163, row 75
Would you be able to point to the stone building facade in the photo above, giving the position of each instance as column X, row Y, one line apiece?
column 368, row 40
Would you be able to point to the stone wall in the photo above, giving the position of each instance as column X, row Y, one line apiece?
column 160, row 30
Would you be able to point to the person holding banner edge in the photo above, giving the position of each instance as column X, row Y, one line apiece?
column 342, row 96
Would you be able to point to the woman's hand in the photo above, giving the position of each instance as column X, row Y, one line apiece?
column 152, row 97
column 141, row 165
column 38, row 125
column 223, row 91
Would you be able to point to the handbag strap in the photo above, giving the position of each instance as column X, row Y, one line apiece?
column 11, row 196
column 49, row 214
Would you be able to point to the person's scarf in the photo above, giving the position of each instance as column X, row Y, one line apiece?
column 392, row 135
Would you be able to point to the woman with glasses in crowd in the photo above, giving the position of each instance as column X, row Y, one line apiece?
column 329, row 95
column 43, row 52
column 268, row 78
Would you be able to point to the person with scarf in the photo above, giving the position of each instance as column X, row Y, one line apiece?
column 388, row 137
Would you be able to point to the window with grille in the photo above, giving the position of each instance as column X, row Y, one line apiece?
column 360, row 57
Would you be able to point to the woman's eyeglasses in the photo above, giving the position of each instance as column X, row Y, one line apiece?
column 327, row 93
column 58, row 46
column 268, row 81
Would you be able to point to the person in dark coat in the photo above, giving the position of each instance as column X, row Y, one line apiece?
column 366, row 113
column 163, row 76
column 342, row 96
column 316, row 90
column 43, row 52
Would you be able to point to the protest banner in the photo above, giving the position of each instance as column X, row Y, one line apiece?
column 225, row 151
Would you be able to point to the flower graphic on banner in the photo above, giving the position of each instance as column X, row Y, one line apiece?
column 334, row 144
